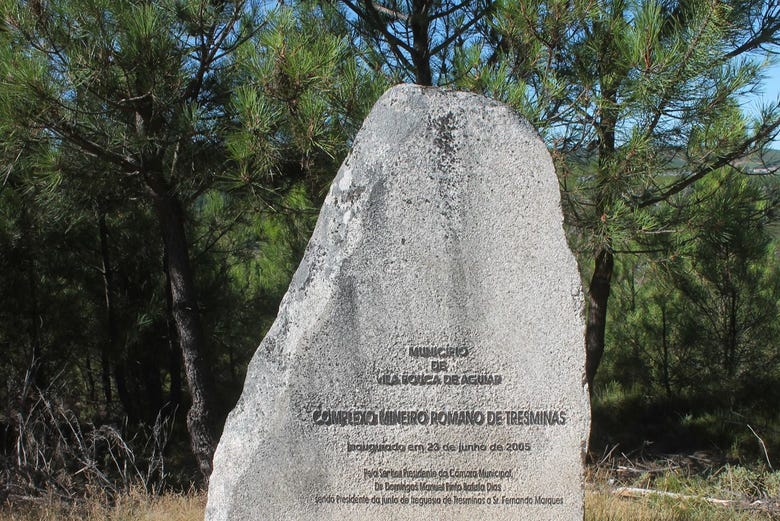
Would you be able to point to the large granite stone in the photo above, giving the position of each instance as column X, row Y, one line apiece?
column 427, row 360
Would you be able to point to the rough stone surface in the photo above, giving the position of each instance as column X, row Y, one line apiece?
column 442, row 231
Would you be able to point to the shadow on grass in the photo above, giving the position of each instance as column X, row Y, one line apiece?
column 742, row 427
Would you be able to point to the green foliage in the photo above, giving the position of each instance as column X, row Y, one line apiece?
column 695, row 327
column 412, row 41
column 240, row 114
column 302, row 98
column 637, row 100
column 247, row 256
column 235, row 117
column 709, row 309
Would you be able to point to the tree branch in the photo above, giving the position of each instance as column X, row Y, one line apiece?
column 454, row 36
column 72, row 134
column 764, row 132
column 371, row 16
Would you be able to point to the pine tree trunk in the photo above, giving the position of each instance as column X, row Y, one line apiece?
column 597, row 313
column 420, row 22
column 604, row 264
column 188, row 325
column 109, row 345
column 174, row 357
column 127, row 401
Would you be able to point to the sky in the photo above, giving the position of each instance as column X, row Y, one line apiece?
column 771, row 92
column 773, row 87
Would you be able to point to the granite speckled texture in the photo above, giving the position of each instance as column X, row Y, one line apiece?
column 427, row 361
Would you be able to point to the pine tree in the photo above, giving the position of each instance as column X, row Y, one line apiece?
column 415, row 40
column 638, row 102
column 141, row 88
column 220, row 121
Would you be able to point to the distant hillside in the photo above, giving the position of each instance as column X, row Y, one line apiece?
column 761, row 163
column 764, row 163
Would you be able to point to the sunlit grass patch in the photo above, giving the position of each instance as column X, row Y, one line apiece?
column 135, row 506
column 603, row 501
column 605, row 505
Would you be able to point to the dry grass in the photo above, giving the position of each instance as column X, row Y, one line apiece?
column 135, row 506
column 601, row 505
column 680, row 492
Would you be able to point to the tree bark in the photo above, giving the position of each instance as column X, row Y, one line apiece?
column 599, row 290
column 601, row 281
column 125, row 398
column 186, row 316
column 421, row 58
column 174, row 357
column 109, row 345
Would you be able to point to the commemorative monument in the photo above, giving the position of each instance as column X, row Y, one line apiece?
column 427, row 362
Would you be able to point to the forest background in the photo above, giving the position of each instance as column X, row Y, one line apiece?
column 162, row 164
